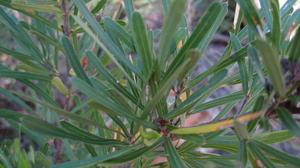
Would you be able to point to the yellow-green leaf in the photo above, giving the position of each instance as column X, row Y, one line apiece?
column 59, row 85
column 36, row 7
column 212, row 127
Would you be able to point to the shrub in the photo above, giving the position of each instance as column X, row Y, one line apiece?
column 114, row 73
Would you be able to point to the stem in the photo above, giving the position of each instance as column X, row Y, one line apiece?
column 66, row 13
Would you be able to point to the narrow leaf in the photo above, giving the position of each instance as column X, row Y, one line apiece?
column 234, row 97
column 294, row 48
column 171, row 22
column 220, row 66
column 87, row 137
column 276, row 27
column 275, row 137
column 94, row 160
column 250, row 13
column 60, row 111
column 15, row 99
column 164, row 87
column 36, row 7
column 24, row 75
column 104, row 40
column 142, row 43
column 108, row 76
column 289, row 159
column 214, row 14
column 288, row 121
column 99, row 6
column 89, row 91
column 243, row 153
column 74, row 60
column 43, row 127
column 216, row 126
column 4, row 160
column 271, row 61
column 174, row 158
column 129, row 156
column 118, row 31
column 255, row 150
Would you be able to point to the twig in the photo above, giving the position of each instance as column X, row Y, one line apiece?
column 66, row 13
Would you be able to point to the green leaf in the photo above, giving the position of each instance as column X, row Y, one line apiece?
column 118, row 32
column 89, row 91
column 241, row 130
column 15, row 99
column 73, row 58
column 174, row 158
column 289, row 159
column 225, row 111
column 242, row 63
column 255, row 150
column 271, row 61
column 257, row 107
column 163, row 88
column 198, row 96
column 101, row 68
column 34, row 136
column 99, row 6
column 129, row 8
column 48, row 129
column 276, row 27
column 91, row 149
column 243, row 153
column 112, row 94
column 287, row 6
column 170, row 25
column 27, row 59
column 39, row 91
column 24, row 75
column 220, row 66
column 4, row 160
column 20, row 35
column 142, row 43
column 77, row 131
column 192, row 141
column 101, row 44
column 35, row 7
column 288, row 121
column 111, row 114
column 32, row 15
column 265, row 7
column 42, row 160
column 103, row 40
column 250, row 13
column 95, row 160
column 234, row 97
column 129, row 156
column 87, row 137
column 289, row 20
column 212, row 19
column 294, row 48
column 42, row 36
column 43, row 127
column 9, row 114
column 32, row 69
column 226, row 143
column 194, row 55
column 275, row 137
column 60, row 111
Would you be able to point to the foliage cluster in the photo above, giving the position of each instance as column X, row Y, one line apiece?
column 114, row 73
